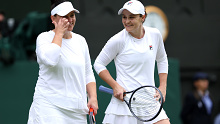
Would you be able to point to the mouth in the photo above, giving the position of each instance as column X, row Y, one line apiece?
column 128, row 26
column 71, row 24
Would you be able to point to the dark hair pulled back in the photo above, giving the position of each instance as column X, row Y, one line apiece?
column 54, row 3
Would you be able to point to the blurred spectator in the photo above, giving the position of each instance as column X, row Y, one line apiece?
column 7, row 25
column 2, row 18
column 198, row 105
column 217, row 117
column 24, row 37
column 7, row 28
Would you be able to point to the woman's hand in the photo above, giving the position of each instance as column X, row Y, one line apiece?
column 163, row 91
column 119, row 92
column 93, row 103
column 62, row 26
column 163, row 84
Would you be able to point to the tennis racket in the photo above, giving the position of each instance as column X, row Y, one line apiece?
column 145, row 103
column 91, row 116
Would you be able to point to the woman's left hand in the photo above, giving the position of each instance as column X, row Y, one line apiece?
column 163, row 91
column 93, row 103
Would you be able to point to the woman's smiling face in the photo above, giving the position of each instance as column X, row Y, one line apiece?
column 131, row 22
column 70, row 17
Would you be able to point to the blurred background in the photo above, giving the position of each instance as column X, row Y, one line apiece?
column 192, row 45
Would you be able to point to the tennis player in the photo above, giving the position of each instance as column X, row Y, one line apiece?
column 65, row 75
column 134, row 50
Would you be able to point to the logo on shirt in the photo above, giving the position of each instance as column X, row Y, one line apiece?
column 129, row 3
column 150, row 46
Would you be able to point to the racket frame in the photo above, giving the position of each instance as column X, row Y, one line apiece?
column 129, row 103
column 110, row 91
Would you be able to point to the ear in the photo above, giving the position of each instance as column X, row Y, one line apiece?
column 52, row 18
column 143, row 18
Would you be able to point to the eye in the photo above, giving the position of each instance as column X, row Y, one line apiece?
column 65, row 17
column 72, row 15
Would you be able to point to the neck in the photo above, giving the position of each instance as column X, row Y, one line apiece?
column 138, row 33
column 202, row 92
column 67, row 35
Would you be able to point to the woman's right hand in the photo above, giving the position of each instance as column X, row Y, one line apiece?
column 119, row 92
column 62, row 26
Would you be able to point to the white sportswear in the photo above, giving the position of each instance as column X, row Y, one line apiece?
column 134, row 58
column 64, row 71
column 135, row 64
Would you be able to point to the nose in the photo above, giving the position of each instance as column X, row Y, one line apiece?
column 69, row 19
column 127, row 20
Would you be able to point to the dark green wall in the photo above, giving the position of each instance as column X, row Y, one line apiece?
column 193, row 31
column 193, row 25
column 18, row 83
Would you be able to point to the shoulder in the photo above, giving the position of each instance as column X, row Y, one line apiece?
column 45, row 36
column 119, row 37
column 155, row 35
column 79, row 39
column 78, row 36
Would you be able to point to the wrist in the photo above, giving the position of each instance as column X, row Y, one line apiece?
column 58, row 33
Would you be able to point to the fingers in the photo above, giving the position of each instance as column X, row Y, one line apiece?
column 95, row 111
column 119, row 92
column 65, row 22
column 119, row 95
column 92, row 103
column 163, row 91
column 157, row 96
column 62, row 25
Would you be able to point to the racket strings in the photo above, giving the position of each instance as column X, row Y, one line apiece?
column 145, row 103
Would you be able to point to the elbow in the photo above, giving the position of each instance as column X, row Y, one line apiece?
column 95, row 66
column 49, row 61
column 98, row 67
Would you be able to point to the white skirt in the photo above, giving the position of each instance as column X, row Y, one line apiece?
column 118, row 112
column 43, row 112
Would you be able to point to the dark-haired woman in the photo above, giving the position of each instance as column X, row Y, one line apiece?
column 65, row 75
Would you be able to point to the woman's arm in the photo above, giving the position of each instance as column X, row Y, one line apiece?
column 162, row 65
column 60, row 29
column 163, row 84
column 91, row 90
column 117, row 89
column 108, row 53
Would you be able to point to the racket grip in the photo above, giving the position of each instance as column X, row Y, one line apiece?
column 91, row 110
column 105, row 89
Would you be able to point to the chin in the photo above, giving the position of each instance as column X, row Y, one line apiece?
column 128, row 30
column 70, row 29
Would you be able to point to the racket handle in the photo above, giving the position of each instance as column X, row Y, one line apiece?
column 105, row 89
column 91, row 110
